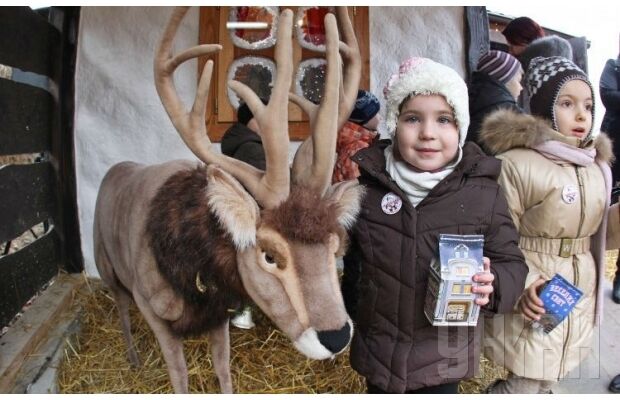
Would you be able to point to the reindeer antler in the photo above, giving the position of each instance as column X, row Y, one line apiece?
column 271, row 187
column 273, row 117
column 349, row 84
column 267, row 188
column 190, row 125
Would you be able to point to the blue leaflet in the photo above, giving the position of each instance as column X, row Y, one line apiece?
column 559, row 297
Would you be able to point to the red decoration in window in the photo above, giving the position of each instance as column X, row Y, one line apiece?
column 312, row 27
column 253, row 14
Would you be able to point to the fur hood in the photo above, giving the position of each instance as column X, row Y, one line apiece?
column 505, row 129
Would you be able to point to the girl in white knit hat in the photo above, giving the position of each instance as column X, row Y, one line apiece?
column 422, row 183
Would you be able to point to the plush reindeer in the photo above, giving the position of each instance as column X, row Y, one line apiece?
column 187, row 242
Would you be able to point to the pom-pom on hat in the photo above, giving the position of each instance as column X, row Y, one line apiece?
column 499, row 65
column 423, row 76
column 366, row 107
column 546, row 76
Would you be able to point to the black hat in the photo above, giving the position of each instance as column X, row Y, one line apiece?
column 366, row 107
column 244, row 114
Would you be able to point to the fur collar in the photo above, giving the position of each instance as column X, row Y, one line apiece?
column 506, row 129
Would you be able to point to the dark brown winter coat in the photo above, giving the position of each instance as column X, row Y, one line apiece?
column 395, row 347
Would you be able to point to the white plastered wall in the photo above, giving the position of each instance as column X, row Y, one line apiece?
column 119, row 117
column 398, row 33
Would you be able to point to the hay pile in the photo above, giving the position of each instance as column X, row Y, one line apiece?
column 262, row 359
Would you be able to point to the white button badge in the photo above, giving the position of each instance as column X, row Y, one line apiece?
column 391, row 203
column 570, row 194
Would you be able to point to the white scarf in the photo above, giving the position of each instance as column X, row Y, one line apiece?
column 416, row 185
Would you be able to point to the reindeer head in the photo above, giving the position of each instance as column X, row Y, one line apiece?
column 287, row 230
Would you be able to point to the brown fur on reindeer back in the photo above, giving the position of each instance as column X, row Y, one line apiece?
column 186, row 239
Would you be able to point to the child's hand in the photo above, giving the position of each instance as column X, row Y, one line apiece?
column 485, row 280
column 530, row 305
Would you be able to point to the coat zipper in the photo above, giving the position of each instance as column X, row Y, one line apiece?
column 575, row 269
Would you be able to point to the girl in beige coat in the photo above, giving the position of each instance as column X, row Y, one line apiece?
column 557, row 181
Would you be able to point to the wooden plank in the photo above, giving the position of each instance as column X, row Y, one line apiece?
column 225, row 111
column 67, row 21
column 361, row 21
column 24, row 272
column 28, row 197
column 28, row 41
column 25, row 118
column 209, row 33
column 476, row 37
column 48, row 313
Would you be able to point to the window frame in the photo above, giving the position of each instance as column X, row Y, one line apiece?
column 220, row 114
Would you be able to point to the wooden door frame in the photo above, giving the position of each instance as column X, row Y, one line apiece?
column 476, row 37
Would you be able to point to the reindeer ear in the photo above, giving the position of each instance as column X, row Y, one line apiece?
column 236, row 210
column 348, row 196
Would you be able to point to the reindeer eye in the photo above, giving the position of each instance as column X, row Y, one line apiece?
column 269, row 258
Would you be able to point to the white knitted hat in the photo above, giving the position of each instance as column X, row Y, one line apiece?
column 424, row 76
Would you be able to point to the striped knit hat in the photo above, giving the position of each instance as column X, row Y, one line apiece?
column 546, row 76
column 499, row 65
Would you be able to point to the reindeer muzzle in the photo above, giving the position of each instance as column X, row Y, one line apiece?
column 336, row 340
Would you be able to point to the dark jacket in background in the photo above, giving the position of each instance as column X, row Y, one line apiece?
column 486, row 95
column 610, row 95
column 394, row 345
column 244, row 144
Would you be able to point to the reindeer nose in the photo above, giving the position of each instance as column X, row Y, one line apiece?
column 336, row 341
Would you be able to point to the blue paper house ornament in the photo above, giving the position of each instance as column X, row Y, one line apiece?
column 449, row 298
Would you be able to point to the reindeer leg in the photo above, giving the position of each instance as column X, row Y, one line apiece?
column 220, row 353
column 123, row 300
column 121, row 296
column 171, row 345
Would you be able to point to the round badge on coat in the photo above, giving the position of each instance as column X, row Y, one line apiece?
column 570, row 194
column 391, row 203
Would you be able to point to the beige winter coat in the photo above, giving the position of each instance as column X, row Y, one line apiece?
column 549, row 202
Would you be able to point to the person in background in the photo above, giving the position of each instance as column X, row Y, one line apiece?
column 556, row 177
column 356, row 134
column 243, row 142
column 520, row 32
column 614, row 385
column 495, row 84
column 424, row 182
column 609, row 89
